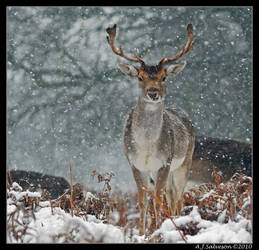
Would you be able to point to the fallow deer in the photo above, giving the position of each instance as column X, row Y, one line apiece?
column 158, row 141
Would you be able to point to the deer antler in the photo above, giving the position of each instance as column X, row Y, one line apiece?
column 185, row 49
column 112, row 33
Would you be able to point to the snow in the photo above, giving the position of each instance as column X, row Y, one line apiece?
column 211, row 231
column 231, row 232
column 54, row 225
column 47, row 228
column 222, row 216
column 24, row 194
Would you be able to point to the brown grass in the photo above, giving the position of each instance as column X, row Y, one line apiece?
column 233, row 198
column 165, row 212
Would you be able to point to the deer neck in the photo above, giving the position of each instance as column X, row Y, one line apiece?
column 148, row 119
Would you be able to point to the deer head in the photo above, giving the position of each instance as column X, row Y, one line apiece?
column 151, row 78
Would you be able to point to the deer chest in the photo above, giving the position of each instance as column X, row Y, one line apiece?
column 145, row 160
column 146, row 156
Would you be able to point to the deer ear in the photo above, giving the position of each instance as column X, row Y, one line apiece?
column 128, row 69
column 174, row 69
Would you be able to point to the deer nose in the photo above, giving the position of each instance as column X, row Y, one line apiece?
column 153, row 93
column 153, row 96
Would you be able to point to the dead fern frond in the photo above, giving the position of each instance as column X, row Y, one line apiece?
column 165, row 212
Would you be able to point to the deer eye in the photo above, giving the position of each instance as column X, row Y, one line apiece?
column 163, row 79
column 140, row 79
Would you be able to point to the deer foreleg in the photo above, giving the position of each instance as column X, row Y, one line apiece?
column 141, row 181
column 160, row 184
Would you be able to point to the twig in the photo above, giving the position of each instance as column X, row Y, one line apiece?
column 51, row 206
column 44, row 194
column 165, row 212
column 71, row 191
column 216, row 176
column 8, row 184
column 10, row 177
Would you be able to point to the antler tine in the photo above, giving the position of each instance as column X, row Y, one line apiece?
column 186, row 48
column 111, row 37
column 139, row 59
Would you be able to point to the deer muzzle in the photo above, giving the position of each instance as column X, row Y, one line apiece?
column 153, row 94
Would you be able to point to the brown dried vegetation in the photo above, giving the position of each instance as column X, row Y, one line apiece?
column 233, row 197
column 213, row 200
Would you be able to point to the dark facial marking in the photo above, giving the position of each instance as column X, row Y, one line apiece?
column 151, row 70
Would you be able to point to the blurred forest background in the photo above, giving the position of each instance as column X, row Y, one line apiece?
column 67, row 101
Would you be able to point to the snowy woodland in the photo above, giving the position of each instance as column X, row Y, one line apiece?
column 67, row 103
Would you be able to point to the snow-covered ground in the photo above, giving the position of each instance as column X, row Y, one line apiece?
column 54, row 225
